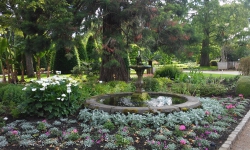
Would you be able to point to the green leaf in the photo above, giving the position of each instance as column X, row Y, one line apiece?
column 39, row 105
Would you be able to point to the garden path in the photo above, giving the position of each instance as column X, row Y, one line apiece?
column 242, row 143
column 239, row 138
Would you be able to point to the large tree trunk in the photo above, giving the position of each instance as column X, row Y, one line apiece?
column 205, row 50
column 29, row 65
column 114, row 57
column 204, row 60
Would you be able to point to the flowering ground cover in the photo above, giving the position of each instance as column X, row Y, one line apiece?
column 205, row 128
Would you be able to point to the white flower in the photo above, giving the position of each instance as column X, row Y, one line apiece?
column 68, row 90
column 24, row 88
column 39, row 81
column 63, row 95
column 62, row 99
column 45, row 84
column 33, row 89
column 69, row 85
column 59, row 98
column 5, row 118
column 42, row 89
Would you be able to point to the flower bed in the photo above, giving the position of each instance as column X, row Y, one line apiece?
column 202, row 128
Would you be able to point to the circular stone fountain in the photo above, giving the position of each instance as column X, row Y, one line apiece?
column 109, row 102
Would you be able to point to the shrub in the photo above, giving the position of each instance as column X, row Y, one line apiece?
column 151, row 84
column 199, row 89
column 119, row 86
column 168, row 71
column 212, row 90
column 11, row 95
column 242, row 86
column 11, row 92
column 244, row 65
column 52, row 97
column 213, row 63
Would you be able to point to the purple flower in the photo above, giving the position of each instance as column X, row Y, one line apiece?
column 98, row 141
column 47, row 133
column 182, row 127
column 207, row 132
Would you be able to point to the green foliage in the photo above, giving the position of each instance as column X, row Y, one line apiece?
column 168, row 71
column 54, row 97
column 11, row 92
column 194, row 76
column 41, row 126
column 10, row 96
column 213, row 63
column 151, row 84
column 84, row 68
column 244, row 65
column 121, row 141
column 109, row 125
column 202, row 89
column 242, row 86
column 65, row 61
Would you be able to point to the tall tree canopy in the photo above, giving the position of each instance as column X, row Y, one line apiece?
column 218, row 23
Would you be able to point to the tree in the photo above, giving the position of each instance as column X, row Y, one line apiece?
column 218, row 23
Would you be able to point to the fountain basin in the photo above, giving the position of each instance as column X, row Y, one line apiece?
column 191, row 102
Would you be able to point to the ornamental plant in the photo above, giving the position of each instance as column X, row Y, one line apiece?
column 51, row 97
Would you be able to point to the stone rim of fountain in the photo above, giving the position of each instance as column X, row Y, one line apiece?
column 192, row 102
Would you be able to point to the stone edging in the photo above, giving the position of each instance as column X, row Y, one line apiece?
column 192, row 102
column 227, row 145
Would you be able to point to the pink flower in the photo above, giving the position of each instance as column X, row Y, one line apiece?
column 75, row 131
column 241, row 95
column 207, row 112
column 44, row 121
column 230, row 106
column 14, row 132
column 182, row 142
column 182, row 127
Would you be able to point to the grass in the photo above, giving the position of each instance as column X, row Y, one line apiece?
column 218, row 75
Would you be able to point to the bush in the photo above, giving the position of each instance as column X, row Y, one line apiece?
column 244, row 65
column 11, row 92
column 242, row 86
column 11, row 95
column 168, row 71
column 199, row 89
column 52, row 97
column 151, row 84
column 213, row 63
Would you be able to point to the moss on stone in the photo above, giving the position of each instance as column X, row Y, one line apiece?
column 243, row 86
column 140, row 97
column 130, row 111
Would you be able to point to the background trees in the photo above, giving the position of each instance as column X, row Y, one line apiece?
column 61, row 30
column 219, row 24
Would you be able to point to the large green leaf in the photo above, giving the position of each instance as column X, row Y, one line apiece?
column 3, row 45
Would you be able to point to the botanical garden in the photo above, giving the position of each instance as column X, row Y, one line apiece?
column 58, row 57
